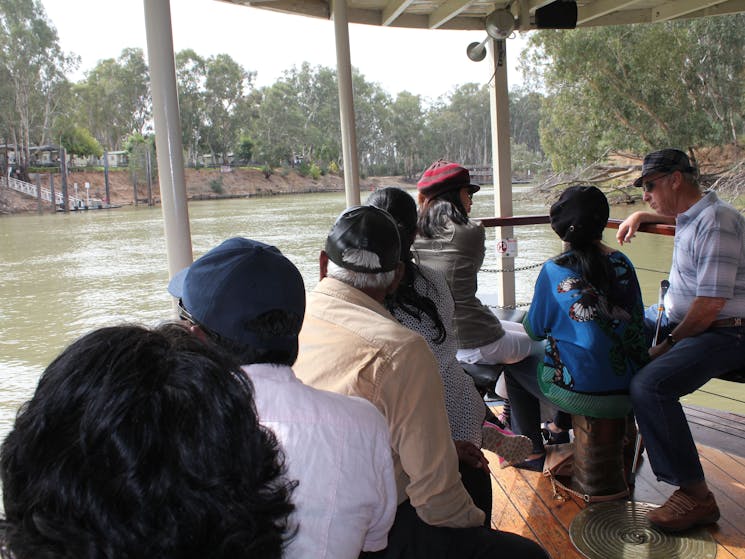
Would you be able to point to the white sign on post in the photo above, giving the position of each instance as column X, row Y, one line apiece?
column 507, row 248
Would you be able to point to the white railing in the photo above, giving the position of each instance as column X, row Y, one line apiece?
column 46, row 194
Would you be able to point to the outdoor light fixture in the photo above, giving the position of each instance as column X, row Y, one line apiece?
column 499, row 24
column 477, row 51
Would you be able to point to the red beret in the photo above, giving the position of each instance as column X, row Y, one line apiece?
column 443, row 176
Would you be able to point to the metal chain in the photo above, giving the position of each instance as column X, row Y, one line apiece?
column 532, row 266
column 518, row 269
column 509, row 307
column 665, row 272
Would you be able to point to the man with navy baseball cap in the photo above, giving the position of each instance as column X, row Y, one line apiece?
column 703, row 333
column 249, row 299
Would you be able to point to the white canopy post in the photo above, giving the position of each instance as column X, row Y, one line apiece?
column 346, row 104
column 501, row 160
column 168, row 134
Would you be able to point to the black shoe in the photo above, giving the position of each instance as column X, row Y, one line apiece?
column 554, row 438
column 533, row 465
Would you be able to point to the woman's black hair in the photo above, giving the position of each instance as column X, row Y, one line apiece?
column 579, row 217
column 402, row 207
column 435, row 213
column 589, row 260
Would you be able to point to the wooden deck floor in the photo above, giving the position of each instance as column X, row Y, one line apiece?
column 524, row 502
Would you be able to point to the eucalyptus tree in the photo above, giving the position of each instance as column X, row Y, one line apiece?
column 317, row 100
column 525, row 118
column 113, row 101
column 32, row 68
column 716, row 69
column 191, row 76
column 639, row 87
column 226, row 87
column 280, row 124
column 459, row 126
column 407, row 133
column 372, row 115
column 298, row 118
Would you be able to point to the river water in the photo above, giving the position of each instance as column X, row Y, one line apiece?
column 63, row 275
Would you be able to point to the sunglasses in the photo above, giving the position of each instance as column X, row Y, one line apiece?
column 183, row 314
column 647, row 186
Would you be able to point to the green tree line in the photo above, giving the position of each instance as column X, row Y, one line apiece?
column 624, row 88
column 224, row 115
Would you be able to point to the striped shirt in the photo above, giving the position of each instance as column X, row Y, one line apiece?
column 708, row 258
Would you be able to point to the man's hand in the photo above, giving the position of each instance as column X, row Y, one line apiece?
column 660, row 349
column 628, row 227
column 702, row 312
column 471, row 455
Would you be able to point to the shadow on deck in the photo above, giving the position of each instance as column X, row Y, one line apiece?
column 523, row 501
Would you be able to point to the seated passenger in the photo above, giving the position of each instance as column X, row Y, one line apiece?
column 587, row 305
column 422, row 302
column 351, row 344
column 450, row 242
column 249, row 299
column 704, row 333
column 143, row 443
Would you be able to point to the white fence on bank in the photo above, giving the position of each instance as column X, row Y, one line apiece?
column 46, row 194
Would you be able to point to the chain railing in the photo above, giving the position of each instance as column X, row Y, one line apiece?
column 544, row 219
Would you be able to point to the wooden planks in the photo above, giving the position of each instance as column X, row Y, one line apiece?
column 523, row 501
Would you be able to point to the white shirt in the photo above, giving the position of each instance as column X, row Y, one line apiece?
column 338, row 448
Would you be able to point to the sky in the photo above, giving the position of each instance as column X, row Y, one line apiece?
column 422, row 62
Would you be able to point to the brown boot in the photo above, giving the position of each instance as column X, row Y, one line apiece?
column 681, row 512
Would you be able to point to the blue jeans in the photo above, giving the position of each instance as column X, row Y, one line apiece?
column 658, row 386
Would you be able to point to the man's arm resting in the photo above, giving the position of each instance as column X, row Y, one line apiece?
column 628, row 227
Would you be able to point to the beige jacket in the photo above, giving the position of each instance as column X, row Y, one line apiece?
column 352, row 345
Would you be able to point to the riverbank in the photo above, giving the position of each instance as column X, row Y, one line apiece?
column 201, row 184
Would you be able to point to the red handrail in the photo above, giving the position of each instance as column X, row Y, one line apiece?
column 659, row 229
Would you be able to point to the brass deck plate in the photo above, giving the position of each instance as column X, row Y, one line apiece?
column 621, row 529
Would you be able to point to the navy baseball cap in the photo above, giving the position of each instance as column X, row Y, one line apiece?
column 364, row 239
column 665, row 161
column 236, row 282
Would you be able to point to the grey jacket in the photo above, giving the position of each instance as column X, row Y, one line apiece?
column 459, row 253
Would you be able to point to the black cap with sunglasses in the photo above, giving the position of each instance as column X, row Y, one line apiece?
column 664, row 161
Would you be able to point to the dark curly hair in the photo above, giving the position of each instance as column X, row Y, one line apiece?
column 143, row 443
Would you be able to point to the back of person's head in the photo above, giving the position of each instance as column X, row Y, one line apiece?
column 402, row 208
column 143, row 443
column 580, row 215
column 439, row 196
column 364, row 248
column 579, row 218
column 247, row 297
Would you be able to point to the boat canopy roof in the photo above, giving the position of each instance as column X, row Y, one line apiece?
column 528, row 14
